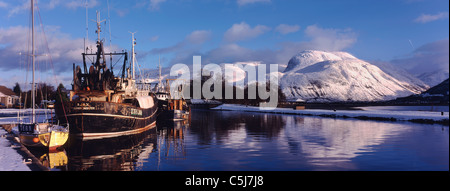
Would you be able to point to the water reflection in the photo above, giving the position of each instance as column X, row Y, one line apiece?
column 171, row 147
column 112, row 154
column 224, row 140
column 254, row 141
column 333, row 143
column 55, row 160
column 212, row 127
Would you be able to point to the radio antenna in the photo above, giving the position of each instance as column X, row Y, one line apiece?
column 86, row 40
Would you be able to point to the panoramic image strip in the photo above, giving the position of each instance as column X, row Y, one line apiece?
column 224, row 86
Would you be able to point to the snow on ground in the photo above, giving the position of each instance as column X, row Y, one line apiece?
column 397, row 115
column 10, row 160
column 24, row 111
column 201, row 101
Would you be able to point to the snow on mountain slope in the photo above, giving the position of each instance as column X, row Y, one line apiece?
column 433, row 78
column 310, row 57
column 339, row 76
column 402, row 75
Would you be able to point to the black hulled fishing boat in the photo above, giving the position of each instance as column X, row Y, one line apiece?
column 103, row 105
column 172, row 108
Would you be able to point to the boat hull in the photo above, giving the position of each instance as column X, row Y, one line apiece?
column 43, row 135
column 51, row 140
column 57, row 140
column 173, row 115
column 35, row 140
column 108, row 119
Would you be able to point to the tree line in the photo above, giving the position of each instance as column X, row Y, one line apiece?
column 43, row 92
column 234, row 100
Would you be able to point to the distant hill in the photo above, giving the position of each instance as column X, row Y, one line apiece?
column 318, row 76
column 436, row 95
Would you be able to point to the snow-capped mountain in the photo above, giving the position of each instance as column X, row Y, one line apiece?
column 433, row 78
column 438, row 94
column 339, row 76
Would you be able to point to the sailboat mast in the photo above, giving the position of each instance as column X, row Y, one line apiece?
column 160, row 82
column 33, row 88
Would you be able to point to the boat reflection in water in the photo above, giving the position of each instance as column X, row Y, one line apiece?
column 55, row 160
column 110, row 154
column 171, row 140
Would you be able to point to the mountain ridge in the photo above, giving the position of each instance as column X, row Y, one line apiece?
column 318, row 76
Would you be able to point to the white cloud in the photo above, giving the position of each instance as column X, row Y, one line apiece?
column 425, row 18
column 74, row 4
column 286, row 29
column 327, row 39
column 18, row 8
column 245, row 2
column 3, row 4
column 154, row 38
column 199, row 36
column 243, row 31
column 63, row 49
column 52, row 4
column 122, row 12
column 330, row 39
column 184, row 49
column 427, row 58
column 192, row 41
column 24, row 6
column 155, row 4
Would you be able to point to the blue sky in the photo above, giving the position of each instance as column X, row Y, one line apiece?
column 270, row 31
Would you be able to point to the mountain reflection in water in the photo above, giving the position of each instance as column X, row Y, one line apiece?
column 230, row 140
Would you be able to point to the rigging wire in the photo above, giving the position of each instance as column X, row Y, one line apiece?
column 109, row 24
column 51, row 62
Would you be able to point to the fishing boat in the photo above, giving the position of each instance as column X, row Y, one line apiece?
column 103, row 105
column 172, row 108
column 41, row 135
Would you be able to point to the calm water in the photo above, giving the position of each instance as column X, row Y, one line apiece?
column 235, row 141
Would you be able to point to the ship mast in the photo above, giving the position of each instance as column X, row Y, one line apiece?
column 160, row 80
column 86, row 40
column 133, row 55
column 33, row 88
column 99, row 29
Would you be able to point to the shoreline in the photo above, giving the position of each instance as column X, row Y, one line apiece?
column 10, row 157
column 15, row 156
column 377, row 115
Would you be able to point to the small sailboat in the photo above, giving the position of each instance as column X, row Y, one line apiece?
column 42, row 135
